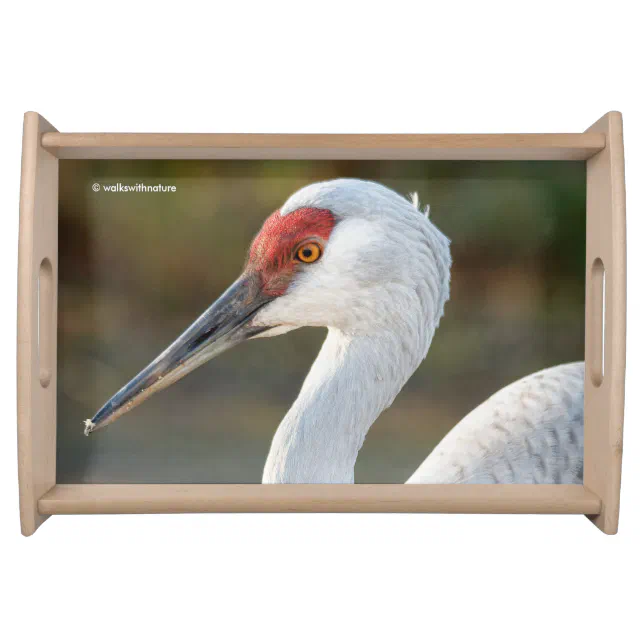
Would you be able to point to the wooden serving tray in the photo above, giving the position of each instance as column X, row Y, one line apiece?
column 601, row 146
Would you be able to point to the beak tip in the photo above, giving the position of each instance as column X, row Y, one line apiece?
column 89, row 427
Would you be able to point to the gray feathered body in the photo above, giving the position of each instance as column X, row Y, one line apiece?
column 531, row 431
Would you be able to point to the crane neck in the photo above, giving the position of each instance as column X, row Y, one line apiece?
column 352, row 381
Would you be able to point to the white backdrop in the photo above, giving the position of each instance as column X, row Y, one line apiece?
column 321, row 67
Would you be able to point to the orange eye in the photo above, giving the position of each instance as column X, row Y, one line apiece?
column 308, row 253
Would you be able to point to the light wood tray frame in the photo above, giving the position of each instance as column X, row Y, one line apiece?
column 598, row 498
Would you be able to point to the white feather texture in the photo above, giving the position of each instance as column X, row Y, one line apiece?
column 528, row 432
column 380, row 287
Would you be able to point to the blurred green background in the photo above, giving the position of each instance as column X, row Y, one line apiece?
column 136, row 268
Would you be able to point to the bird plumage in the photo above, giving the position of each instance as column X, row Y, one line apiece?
column 389, row 281
column 528, row 432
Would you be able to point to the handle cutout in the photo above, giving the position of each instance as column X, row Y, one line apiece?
column 597, row 340
column 45, row 322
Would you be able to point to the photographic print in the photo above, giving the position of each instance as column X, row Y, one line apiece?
column 321, row 321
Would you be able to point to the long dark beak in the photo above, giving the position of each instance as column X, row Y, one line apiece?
column 223, row 325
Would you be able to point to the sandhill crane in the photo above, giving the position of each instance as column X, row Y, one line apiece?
column 368, row 264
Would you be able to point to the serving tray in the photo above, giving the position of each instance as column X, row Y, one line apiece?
column 42, row 494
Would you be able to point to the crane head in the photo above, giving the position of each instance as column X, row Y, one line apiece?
column 347, row 254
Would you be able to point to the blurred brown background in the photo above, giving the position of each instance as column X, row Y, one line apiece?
column 136, row 268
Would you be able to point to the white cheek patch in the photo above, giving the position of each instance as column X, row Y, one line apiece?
column 284, row 313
